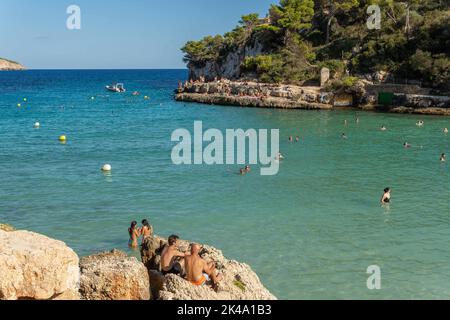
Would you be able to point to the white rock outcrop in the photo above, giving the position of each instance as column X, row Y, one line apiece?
column 33, row 266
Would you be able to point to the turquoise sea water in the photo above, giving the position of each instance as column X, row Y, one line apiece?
column 310, row 232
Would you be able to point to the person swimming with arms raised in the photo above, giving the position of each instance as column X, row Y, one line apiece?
column 198, row 271
column 134, row 234
column 386, row 198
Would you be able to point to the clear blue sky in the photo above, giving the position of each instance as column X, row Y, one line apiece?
column 114, row 34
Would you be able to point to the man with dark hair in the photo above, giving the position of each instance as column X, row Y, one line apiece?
column 146, row 230
column 170, row 256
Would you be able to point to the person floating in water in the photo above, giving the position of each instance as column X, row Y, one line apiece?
column 134, row 234
column 406, row 145
column 146, row 230
column 279, row 157
column 344, row 136
column 170, row 257
column 383, row 128
column 443, row 157
column 198, row 271
column 386, row 196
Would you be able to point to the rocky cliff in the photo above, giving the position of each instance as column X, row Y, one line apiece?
column 7, row 65
column 229, row 66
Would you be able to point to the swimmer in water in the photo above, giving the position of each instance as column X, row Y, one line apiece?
column 344, row 136
column 443, row 157
column 242, row 171
column 407, row 145
column 134, row 234
column 291, row 139
column 386, row 198
column 297, row 138
column 420, row 123
column 383, row 128
column 279, row 157
column 445, row 130
column 247, row 169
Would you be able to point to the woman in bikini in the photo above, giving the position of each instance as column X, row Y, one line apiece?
column 134, row 234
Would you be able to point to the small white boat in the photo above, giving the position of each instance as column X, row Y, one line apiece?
column 118, row 87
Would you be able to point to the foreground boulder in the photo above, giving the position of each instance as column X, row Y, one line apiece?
column 113, row 276
column 33, row 266
column 239, row 281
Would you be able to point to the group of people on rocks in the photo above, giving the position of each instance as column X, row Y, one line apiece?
column 225, row 88
column 188, row 265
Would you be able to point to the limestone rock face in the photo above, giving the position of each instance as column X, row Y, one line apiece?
column 33, row 266
column 113, row 276
column 239, row 282
column 230, row 67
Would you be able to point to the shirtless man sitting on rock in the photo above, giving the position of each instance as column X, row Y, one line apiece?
column 198, row 271
column 170, row 257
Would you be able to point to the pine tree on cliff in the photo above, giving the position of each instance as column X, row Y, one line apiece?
column 292, row 16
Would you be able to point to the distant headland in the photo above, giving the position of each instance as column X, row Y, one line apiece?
column 8, row 65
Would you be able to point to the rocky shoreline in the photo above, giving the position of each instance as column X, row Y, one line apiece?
column 363, row 96
column 7, row 65
column 35, row 267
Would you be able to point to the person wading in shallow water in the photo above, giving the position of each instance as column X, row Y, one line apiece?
column 198, row 271
column 386, row 196
column 146, row 230
column 134, row 233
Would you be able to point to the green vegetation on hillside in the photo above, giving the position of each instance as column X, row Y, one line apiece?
column 300, row 36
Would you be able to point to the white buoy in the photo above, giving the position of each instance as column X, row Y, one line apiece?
column 106, row 168
column 37, row 125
